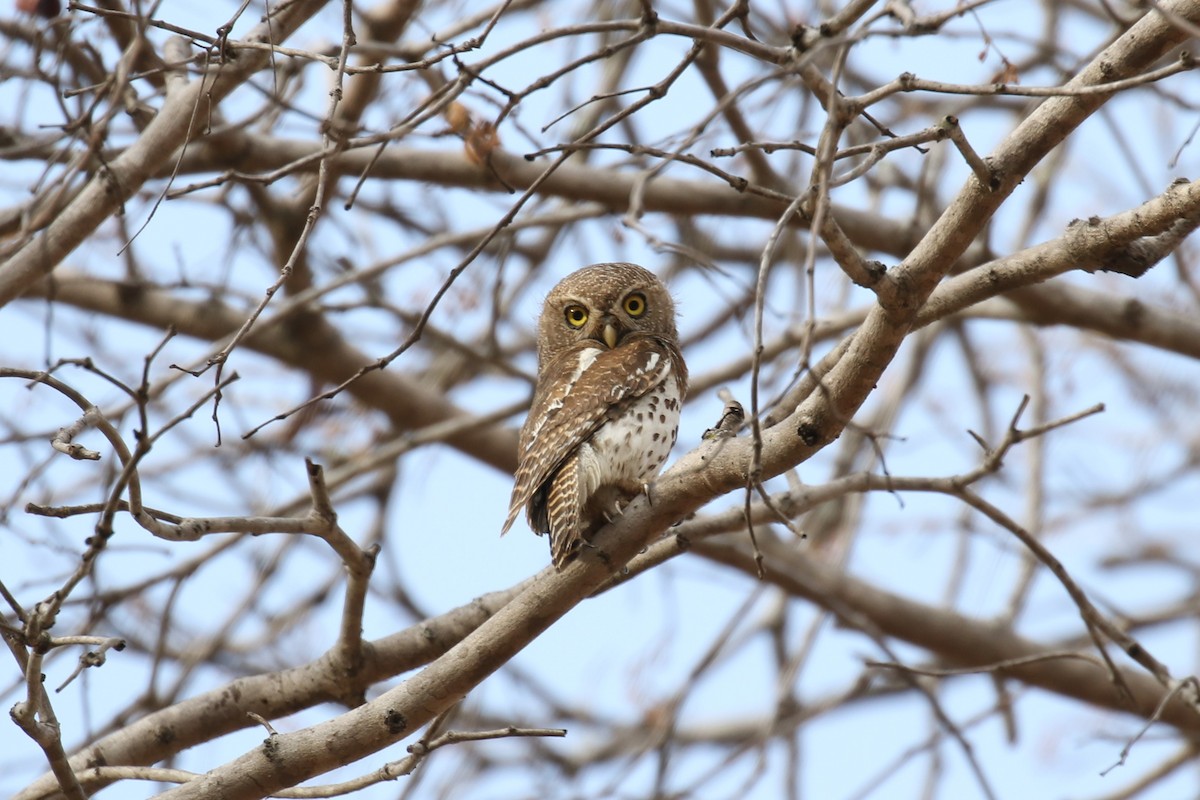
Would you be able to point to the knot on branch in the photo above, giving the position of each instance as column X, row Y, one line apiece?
column 395, row 721
column 809, row 433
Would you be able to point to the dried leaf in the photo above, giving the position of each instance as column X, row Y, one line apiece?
column 481, row 142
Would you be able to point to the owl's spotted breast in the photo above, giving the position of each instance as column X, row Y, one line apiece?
column 631, row 447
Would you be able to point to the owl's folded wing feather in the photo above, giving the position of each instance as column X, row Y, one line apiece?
column 561, row 505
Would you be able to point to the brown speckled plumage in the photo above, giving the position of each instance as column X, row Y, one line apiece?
column 606, row 406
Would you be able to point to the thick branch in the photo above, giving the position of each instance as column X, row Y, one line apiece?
column 253, row 154
column 272, row 695
column 821, row 416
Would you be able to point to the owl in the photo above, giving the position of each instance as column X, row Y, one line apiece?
column 606, row 405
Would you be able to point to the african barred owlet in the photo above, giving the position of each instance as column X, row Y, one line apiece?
column 606, row 406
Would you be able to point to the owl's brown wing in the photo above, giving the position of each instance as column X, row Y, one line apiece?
column 573, row 398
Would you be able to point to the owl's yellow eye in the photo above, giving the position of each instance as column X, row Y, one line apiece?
column 576, row 316
column 635, row 304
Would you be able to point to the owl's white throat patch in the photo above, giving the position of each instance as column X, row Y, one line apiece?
column 587, row 357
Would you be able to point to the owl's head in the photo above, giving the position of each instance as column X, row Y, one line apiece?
column 604, row 303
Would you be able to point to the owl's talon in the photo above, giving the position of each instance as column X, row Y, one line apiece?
column 618, row 510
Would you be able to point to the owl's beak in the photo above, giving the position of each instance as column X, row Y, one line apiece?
column 610, row 335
